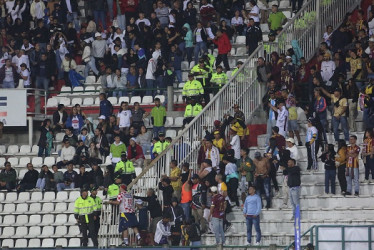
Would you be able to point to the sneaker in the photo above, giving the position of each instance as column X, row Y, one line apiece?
column 124, row 244
column 348, row 193
column 257, row 243
column 300, row 143
column 343, row 193
column 249, row 243
column 356, row 193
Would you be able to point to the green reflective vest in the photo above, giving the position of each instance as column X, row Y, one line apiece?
column 192, row 111
column 98, row 203
column 192, row 88
column 160, row 146
column 219, row 79
column 125, row 167
column 84, row 207
column 200, row 73
column 212, row 59
column 113, row 191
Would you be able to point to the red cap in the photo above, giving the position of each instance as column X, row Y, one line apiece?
column 124, row 187
column 217, row 123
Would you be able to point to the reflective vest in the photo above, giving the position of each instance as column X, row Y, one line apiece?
column 113, row 191
column 125, row 167
column 212, row 59
column 192, row 111
column 160, row 146
column 219, row 79
column 84, row 207
column 202, row 73
column 192, row 88
column 98, row 203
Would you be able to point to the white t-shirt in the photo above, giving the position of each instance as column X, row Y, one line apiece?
column 198, row 36
column 310, row 132
column 282, row 120
column 255, row 10
column 235, row 145
column 27, row 74
column 75, row 122
column 8, row 74
column 124, row 118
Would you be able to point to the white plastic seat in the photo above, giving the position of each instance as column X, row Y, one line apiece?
column 74, row 195
column 113, row 100
column 23, row 161
column 34, row 243
column 2, row 161
column 65, row 89
column 89, row 90
column 78, row 90
column 284, row 4
column 123, row 99
column 265, row 38
column 241, row 51
column 2, row 149
column 35, row 208
column 184, row 65
column 34, row 219
column 21, row 243
column 36, row 197
column 162, row 98
column 9, row 220
column 264, row 28
column 178, row 122
column 240, row 40
column 65, row 101
column 181, row 85
column 49, row 196
column 74, row 231
column 22, row 219
column 90, row 79
column 171, row 133
column 7, row 232
column 48, row 208
column 169, row 121
column 48, row 219
column 11, row 197
column 136, row 99
column 61, row 231
column 61, row 242
column 22, row 173
column 76, row 100
column 22, row 198
column 7, row 243
column 2, row 198
column 52, row 102
column 147, row 100
column 9, row 208
column 34, row 150
column 61, row 196
column 88, row 101
column 24, row 150
column 34, row 231
column 74, row 242
column 49, row 161
column 37, row 161
column 72, row 220
column 48, row 243
column 60, row 219
column 21, row 232
column 287, row 13
column 47, row 231
column 12, row 150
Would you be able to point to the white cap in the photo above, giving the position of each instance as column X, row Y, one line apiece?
column 97, row 34
column 138, row 201
column 213, row 189
column 288, row 57
column 291, row 140
column 133, row 138
column 102, row 117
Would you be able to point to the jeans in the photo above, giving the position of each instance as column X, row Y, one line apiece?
column 269, row 125
column 353, row 179
column 342, row 179
column 73, row 17
column 157, row 130
column 121, row 19
column 150, row 87
column 200, row 46
column 256, row 222
column 100, row 15
column 91, row 65
column 369, row 167
column 312, row 155
column 60, row 73
column 187, row 210
column 42, row 150
column 160, row 84
column 40, row 183
column 324, row 124
column 42, row 83
column 8, row 85
column 295, row 198
column 63, row 186
column 285, row 190
column 223, row 58
column 330, row 180
column 178, row 74
column 110, row 8
column 195, row 243
column 218, row 230
column 146, row 148
column 263, row 187
column 335, row 123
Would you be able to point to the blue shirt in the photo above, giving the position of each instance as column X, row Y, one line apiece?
column 252, row 205
column 271, row 111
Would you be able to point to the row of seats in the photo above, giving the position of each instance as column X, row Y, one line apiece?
column 36, row 243
column 36, row 161
column 34, row 208
column 41, row 220
column 40, row 232
column 31, row 197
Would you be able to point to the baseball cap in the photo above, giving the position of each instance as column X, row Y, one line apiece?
column 102, row 117
column 217, row 123
column 288, row 57
column 213, row 189
column 291, row 140
column 195, row 176
column 161, row 134
column 133, row 138
column 216, row 132
column 138, row 201
column 97, row 34
column 257, row 154
column 93, row 189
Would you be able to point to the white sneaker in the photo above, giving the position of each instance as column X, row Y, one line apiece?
column 257, row 243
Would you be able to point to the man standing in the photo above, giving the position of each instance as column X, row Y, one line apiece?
column 192, row 89
column 294, row 181
column 217, row 213
column 251, row 210
column 160, row 145
column 276, row 18
column 201, row 72
column 175, row 178
column 262, row 179
column 246, row 169
column 84, row 213
column 353, row 166
column 252, row 36
column 219, row 78
column 98, row 203
column 126, row 169
column 158, row 117
column 282, row 119
column 311, row 145
column 224, row 47
column 127, row 214
column 198, row 202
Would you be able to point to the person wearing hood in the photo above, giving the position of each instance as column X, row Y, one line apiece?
column 187, row 45
column 135, row 153
column 154, row 208
column 116, row 149
column 175, row 212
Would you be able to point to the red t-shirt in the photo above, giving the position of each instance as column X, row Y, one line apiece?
column 218, row 202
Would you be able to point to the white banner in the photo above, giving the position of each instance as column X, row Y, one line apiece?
column 13, row 107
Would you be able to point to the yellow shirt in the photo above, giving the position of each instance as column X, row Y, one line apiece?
column 176, row 172
column 338, row 111
column 355, row 65
column 222, row 188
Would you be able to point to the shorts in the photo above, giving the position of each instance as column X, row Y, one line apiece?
column 127, row 220
column 293, row 125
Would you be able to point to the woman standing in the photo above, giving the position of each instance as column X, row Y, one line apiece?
column 340, row 162
column 101, row 142
column 368, row 154
column 46, row 139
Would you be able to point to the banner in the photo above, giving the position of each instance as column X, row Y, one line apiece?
column 297, row 228
column 13, row 107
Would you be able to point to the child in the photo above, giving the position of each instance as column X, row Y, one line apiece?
column 352, row 173
column 328, row 158
column 85, row 136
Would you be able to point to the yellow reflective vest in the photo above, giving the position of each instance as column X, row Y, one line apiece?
column 200, row 73
column 160, row 146
column 192, row 88
column 125, row 167
column 219, row 79
column 192, row 111
column 98, row 203
column 113, row 191
column 84, row 207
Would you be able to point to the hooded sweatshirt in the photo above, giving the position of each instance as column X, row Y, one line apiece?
column 116, row 150
column 189, row 36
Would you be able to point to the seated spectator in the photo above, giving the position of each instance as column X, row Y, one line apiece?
column 85, row 137
column 116, row 149
column 29, row 180
column 60, row 117
column 75, row 120
column 69, row 179
column 95, row 176
column 119, row 84
column 94, row 153
column 101, row 142
column 81, row 180
column 135, row 153
column 81, row 154
column 45, row 179
column 67, row 155
column 8, row 177
column 71, row 137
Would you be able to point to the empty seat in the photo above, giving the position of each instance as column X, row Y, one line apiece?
column 34, row 150
column 78, row 90
column 21, row 243
column 287, row 14
column 162, row 98
column 52, row 102
column 21, row 232
column 113, row 100
column 48, row 243
column 34, row 219
column 24, row 150
column 49, row 196
column 60, row 219
column 22, row 208
column 48, row 219
column 74, row 195
column 47, row 231
column 22, row 173
column 36, row 197
column 34, row 243
column 35, row 208
column 147, row 100
column 90, row 90
column 169, row 122
column 13, row 161
column 2, row 161
column 11, row 197
column 9, row 208
column 61, row 231
column 65, row 101
column 264, row 27
column 48, row 207
column 37, row 161
column 65, row 89
column 123, row 99
column 2, row 149
column 23, row 161
column 74, row 242
column 7, row 232
column 284, row 4
column 34, row 231
column 76, row 100
column 241, row 51
column 73, row 231
column 7, row 243
column 49, row 161
column 62, row 196
column 22, row 219
column 12, row 150
column 97, row 101
column 136, row 99
column 61, row 242
column 171, row 133
column 22, row 198
column 240, row 40
column 9, row 220
column 178, row 122
column 72, row 220
column 88, row 101
column 90, row 79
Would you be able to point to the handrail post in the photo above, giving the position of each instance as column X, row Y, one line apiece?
column 37, row 101
column 31, row 134
column 318, row 24
column 170, row 96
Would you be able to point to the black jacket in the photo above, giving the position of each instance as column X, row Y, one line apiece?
column 74, row 6
column 167, row 193
column 253, row 36
column 81, row 181
column 31, row 177
column 96, row 178
column 43, row 137
column 329, row 159
column 193, row 231
column 294, row 179
column 56, row 117
column 177, row 216
column 154, row 206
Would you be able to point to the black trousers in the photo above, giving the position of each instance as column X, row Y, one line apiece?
column 299, row 4
column 90, row 226
column 342, row 179
column 187, row 120
column 97, row 225
column 232, row 187
column 273, row 176
column 223, row 57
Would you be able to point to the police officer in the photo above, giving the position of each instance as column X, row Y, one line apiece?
column 126, row 169
column 98, row 203
column 192, row 110
column 201, row 71
column 192, row 89
column 219, row 78
column 85, row 214
column 161, row 145
column 113, row 190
